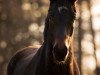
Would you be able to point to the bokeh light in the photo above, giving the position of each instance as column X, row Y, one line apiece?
column 3, row 44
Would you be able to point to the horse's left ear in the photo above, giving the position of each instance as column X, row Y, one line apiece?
column 72, row 1
column 52, row 1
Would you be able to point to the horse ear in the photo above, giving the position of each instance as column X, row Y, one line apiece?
column 51, row 1
column 72, row 1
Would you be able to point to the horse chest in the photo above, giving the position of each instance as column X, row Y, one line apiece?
column 58, row 70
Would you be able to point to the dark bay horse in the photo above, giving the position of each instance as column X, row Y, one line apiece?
column 55, row 56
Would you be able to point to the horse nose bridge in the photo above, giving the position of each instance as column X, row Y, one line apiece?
column 60, row 38
column 60, row 33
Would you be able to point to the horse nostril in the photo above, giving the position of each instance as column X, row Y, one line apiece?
column 59, row 53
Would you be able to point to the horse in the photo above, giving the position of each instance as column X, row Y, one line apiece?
column 55, row 56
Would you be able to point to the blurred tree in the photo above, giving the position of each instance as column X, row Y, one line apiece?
column 93, row 33
column 97, row 71
column 80, row 36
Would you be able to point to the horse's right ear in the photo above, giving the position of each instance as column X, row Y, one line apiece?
column 51, row 1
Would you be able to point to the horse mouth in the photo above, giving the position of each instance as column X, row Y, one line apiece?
column 60, row 54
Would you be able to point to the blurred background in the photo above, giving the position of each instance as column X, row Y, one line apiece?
column 22, row 24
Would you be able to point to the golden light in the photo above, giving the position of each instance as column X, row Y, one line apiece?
column 3, row 44
column 26, row 6
column 18, row 37
column 96, row 14
column 90, row 18
column 97, row 39
column 35, row 5
column 88, row 36
column 41, row 28
column 89, row 63
column 95, row 9
column 96, row 23
column 35, row 42
column 45, row 2
column 96, row 27
column 44, row 9
column 37, row 14
column 33, row 27
column 87, row 47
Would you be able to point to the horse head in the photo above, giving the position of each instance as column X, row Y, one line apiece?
column 59, row 27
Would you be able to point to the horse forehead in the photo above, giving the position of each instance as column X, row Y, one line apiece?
column 60, row 8
column 62, row 1
column 60, row 12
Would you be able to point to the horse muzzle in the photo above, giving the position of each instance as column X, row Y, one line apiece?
column 60, row 51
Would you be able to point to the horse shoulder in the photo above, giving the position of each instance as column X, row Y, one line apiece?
column 24, row 54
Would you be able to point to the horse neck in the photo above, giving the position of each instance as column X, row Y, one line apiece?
column 50, row 66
